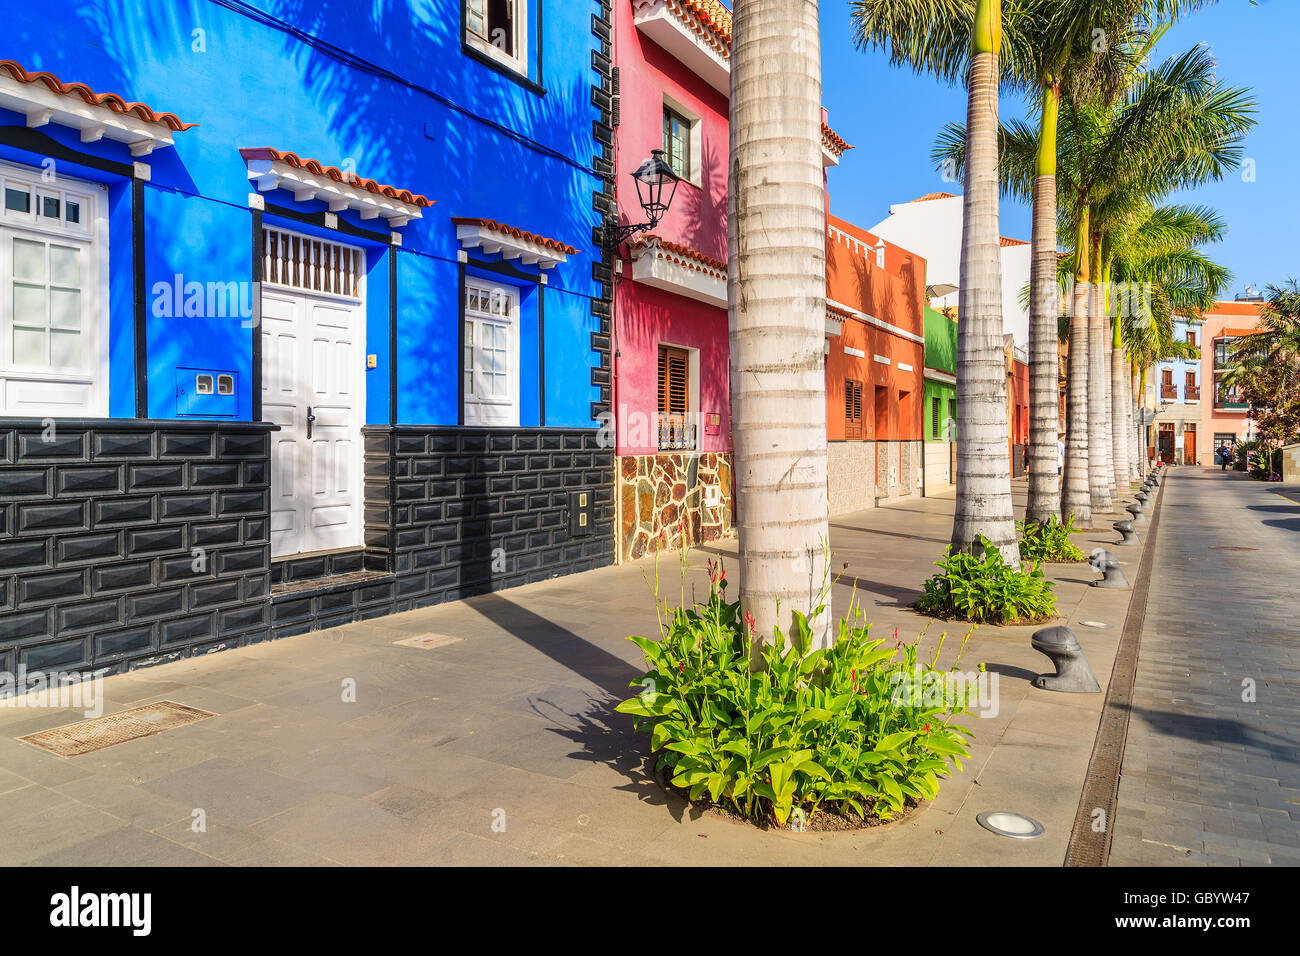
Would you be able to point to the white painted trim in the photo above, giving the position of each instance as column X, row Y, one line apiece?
column 879, row 323
column 494, row 412
column 41, row 105
column 904, row 368
column 655, row 266
column 664, row 22
column 881, row 359
column 517, row 63
column 937, row 375
column 854, row 352
column 305, row 185
column 510, row 247
column 57, row 392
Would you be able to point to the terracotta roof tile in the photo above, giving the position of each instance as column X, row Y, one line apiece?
column 712, row 15
column 693, row 258
column 492, row 225
column 833, row 141
column 109, row 100
column 1004, row 242
column 929, row 196
column 350, row 179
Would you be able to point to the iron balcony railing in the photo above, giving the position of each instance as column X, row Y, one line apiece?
column 676, row 433
column 1192, row 393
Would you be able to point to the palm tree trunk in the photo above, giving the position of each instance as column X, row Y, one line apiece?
column 1044, row 482
column 1112, row 463
column 983, row 467
column 1142, row 429
column 1075, row 498
column 1098, row 373
column 1118, row 404
column 776, row 287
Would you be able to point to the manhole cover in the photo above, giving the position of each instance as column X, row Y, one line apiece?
column 428, row 642
column 1230, row 547
column 87, row 736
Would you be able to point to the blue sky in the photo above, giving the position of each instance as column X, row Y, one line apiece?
column 891, row 116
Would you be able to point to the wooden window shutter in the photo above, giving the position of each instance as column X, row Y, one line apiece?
column 852, row 409
column 674, row 380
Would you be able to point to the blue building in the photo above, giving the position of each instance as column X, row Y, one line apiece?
column 1175, row 431
column 305, row 315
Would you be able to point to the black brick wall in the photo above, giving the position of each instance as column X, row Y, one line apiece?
column 460, row 493
column 98, row 520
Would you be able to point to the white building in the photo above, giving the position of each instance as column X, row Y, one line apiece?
column 931, row 227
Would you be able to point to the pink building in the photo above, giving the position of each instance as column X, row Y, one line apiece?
column 671, row 362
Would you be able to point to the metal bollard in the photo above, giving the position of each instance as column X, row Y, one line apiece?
column 1129, row 535
column 1107, row 565
column 1139, row 517
column 1061, row 647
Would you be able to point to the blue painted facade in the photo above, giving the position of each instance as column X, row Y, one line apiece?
column 385, row 89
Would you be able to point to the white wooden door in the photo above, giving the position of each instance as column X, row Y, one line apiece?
column 311, row 387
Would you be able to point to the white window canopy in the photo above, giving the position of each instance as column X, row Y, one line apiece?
column 308, row 179
column 43, row 98
column 666, row 265
column 512, row 243
column 697, row 34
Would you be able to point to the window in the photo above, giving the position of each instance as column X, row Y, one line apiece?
column 852, row 409
column 1191, row 337
column 1221, row 352
column 490, row 361
column 53, row 288
column 678, row 131
column 499, row 28
column 676, row 431
column 934, row 418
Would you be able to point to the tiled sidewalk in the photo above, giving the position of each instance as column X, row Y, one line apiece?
column 1210, row 778
column 511, row 722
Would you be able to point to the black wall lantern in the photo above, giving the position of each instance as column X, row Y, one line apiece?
column 656, row 185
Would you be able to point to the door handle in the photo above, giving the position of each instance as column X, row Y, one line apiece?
column 310, row 420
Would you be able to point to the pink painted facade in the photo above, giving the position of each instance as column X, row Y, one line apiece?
column 646, row 316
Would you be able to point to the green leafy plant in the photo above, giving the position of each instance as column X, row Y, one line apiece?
column 808, row 730
column 983, row 588
column 1048, row 541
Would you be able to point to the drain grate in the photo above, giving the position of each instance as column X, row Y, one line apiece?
column 428, row 642
column 87, row 736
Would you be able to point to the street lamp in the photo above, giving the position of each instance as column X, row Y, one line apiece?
column 653, row 178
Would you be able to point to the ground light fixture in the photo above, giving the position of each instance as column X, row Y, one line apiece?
column 656, row 185
column 1007, row 823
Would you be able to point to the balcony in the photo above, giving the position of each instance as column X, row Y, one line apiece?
column 1169, row 392
column 1232, row 406
column 1192, row 393
column 676, row 433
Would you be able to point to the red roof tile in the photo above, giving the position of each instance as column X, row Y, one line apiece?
column 109, row 100
column 682, row 252
column 929, row 196
column 711, row 15
column 349, row 179
column 492, row 225
column 833, row 140
column 1005, row 242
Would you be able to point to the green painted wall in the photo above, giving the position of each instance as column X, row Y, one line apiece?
column 941, row 354
column 945, row 394
column 940, row 341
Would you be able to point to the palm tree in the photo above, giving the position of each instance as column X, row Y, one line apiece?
column 950, row 38
column 1266, row 367
column 776, row 286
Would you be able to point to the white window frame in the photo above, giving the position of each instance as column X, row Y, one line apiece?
column 49, row 391
column 490, row 411
column 694, row 174
column 519, row 61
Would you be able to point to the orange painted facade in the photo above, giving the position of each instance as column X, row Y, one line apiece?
column 882, row 338
column 1227, row 320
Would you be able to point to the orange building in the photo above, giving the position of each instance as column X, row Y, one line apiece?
column 1222, row 416
column 875, row 292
